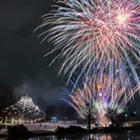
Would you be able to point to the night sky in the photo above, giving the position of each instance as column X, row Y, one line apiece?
column 23, row 66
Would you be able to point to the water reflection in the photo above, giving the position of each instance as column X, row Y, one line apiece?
column 115, row 136
column 90, row 137
column 99, row 137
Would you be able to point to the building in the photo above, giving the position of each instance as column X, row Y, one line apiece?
column 23, row 111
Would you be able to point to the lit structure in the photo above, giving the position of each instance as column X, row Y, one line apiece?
column 24, row 111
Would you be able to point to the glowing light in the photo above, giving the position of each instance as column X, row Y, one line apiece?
column 122, row 18
column 54, row 118
column 99, row 86
column 100, row 94
column 126, row 115
column 37, row 107
column 117, row 71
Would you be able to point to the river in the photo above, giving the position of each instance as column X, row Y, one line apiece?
column 115, row 136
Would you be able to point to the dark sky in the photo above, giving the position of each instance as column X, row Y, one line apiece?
column 21, row 55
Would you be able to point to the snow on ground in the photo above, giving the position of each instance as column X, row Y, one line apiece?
column 49, row 126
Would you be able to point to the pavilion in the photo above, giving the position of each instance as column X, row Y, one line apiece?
column 23, row 111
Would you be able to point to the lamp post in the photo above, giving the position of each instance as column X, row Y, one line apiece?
column 126, row 117
column 54, row 118
column 135, row 117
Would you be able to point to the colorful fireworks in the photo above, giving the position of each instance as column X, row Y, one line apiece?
column 102, row 97
column 92, row 32
column 101, row 37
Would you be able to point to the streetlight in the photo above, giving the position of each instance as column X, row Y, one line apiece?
column 126, row 117
column 54, row 118
column 135, row 117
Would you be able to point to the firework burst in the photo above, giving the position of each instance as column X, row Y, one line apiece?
column 92, row 32
column 103, row 97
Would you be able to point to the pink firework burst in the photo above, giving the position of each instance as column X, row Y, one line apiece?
column 93, row 31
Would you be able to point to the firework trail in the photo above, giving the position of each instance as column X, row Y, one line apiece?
column 104, row 97
column 93, row 32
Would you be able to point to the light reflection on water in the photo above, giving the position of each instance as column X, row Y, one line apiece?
column 115, row 136
column 118, row 136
